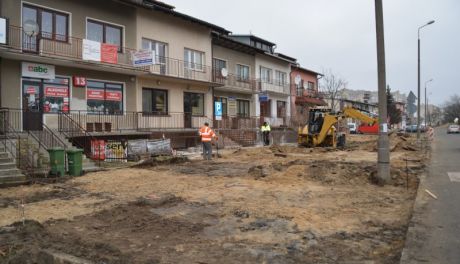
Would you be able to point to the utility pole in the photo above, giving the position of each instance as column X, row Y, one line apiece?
column 383, row 163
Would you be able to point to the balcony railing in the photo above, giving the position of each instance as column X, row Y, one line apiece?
column 71, row 48
column 273, row 86
column 234, row 81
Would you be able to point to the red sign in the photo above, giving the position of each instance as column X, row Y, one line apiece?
column 109, row 53
column 31, row 90
column 56, row 91
column 113, row 96
column 95, row 94
column 79, row 81
column 98, row 149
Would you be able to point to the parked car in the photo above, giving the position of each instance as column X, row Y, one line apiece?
column 353, row 128
column 413, row 128
column 453, row 129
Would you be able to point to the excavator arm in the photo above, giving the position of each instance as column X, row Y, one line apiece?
column 353, row 113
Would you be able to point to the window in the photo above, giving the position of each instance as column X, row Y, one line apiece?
column 194, row 60
column 242, row 73
column 265, row 110
column 159, row 48
column 53, row 25
column 266, row 74
column 155, row 101
column 56, row 95
column 104, row 97
column 280, row 78
column 311, row 86
column 223, row 100
column 194, row 104
column 105, row 33
column 218, row 66
column 280, row 109
column 243, row 108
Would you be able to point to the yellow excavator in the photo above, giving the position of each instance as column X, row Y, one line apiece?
column 320, row 131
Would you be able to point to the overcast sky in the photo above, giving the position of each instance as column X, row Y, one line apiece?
column 340, row 35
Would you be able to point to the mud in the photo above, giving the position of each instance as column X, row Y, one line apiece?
column 250, row 206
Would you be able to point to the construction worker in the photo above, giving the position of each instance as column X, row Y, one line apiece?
column 265, row 129
column 207, row 135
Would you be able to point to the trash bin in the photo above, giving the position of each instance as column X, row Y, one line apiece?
column 57, row 161
column 75, row 162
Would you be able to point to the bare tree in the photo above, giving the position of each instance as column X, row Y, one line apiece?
column 332, row 86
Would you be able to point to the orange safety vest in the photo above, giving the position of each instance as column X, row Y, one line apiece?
column 206, row 134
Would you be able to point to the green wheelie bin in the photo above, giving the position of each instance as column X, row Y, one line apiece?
column 57, row 161
column 75, row 162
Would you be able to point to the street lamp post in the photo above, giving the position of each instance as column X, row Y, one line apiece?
column 426, row 102
column 418, row 76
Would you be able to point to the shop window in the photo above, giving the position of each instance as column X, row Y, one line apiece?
column 223, row 100
column 194, row 104
column 104, row 97
column 56, row 95
column 154, row 101
column 280, row 108
column 243, row 108
column 53, row 25
column 105, row 33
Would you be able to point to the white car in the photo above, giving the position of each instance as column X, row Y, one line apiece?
column 453, row 129
column 353, row 128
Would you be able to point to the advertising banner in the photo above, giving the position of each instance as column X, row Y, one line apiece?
column 143, row 58
column 98, row 149
column 109, row 53
column 3, row 31
column 91, row 50
column 56, row 91
column 115, row 150
column 113, row 96
column 95, row 94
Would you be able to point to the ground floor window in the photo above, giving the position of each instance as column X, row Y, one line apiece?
column 104, row 97
column 243, row 108
column 47, row 96
column 223, row 100
column 155, row 101
column 194, row 104
column 280, row 108
column 265, row 108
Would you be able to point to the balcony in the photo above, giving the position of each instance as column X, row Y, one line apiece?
column 273, row 87
column 234, row 83
column 71, row 49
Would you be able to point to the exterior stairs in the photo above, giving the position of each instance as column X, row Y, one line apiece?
column 10, row 175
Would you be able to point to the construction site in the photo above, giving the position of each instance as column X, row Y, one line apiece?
column 277, row 204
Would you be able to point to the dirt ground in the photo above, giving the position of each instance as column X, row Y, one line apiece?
column 281, row 204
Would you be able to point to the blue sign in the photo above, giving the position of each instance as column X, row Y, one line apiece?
column 218, row 110
column 263, row 98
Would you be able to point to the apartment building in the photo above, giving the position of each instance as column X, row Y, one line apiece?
column 304, row 93
column 80, row 60
column 272, row 101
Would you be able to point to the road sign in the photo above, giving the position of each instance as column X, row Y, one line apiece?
column 218, row 110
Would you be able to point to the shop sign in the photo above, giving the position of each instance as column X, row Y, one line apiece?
column 79, row 81
column 95, row 94
column 263, row 97
column 31, row 90
column 98, row 149
column 143, row 58
column 36, row 70
column 56, row 91
column 115, row 150
column 109, row 53
column 91, row 50
column 3, row 31
column 218, row 110
column 113, row 96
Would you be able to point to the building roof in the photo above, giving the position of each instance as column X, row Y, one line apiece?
column 169, row 9
column 227, row 42
column 306, row 70
column 286, row 57
column 255, row 38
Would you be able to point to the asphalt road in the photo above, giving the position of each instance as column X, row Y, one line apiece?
column 436, row 224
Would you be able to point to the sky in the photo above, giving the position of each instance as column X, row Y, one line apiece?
column 340, row 35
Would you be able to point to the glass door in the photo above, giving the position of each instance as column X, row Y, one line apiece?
column 32, row 115
column 187, row 110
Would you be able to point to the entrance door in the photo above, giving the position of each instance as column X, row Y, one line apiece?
column 32, row 117
column 187, row 110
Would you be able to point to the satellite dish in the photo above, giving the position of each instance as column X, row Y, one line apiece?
column 297, row 79
column 31, row 28
column 224, row 72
